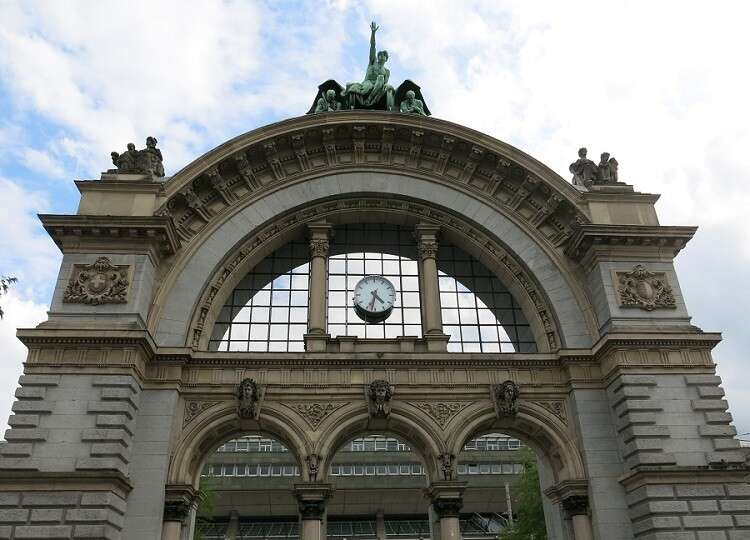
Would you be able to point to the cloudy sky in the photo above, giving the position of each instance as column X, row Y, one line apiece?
column 664, row 86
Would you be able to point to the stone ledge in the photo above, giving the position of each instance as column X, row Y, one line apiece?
column 26, row 481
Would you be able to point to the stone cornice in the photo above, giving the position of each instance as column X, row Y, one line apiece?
column 257, row 163
column 126, row 234
column 120, row 186
column 661, row 241
column 65, row 481
column 676, row 474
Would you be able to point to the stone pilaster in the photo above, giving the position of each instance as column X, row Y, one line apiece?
column 316, row 337
column 432, row 323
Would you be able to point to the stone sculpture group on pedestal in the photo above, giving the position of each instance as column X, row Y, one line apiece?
column 373, row 92
column 147, row 161
column 587, row 173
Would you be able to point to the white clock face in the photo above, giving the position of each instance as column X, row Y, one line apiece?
column 374, row 297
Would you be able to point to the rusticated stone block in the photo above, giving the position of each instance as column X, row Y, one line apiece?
column 10, row 499
column 96, row 531
column 112, row 407
column 14, row 515
column 641, row 445
column 101, row 464
column 704, row 506
column 31, row 392
column 106, row 435
column 726, row 456
column 735, row 505
column 39, row 380
column 27, row 434
column 717, row 431
column 700, row 490
column 715, row 521
column 710, row 392
column 5, row 532
column 116, row 380
column 46, row 515
column 23, row 420
column 655, row 523
column 38, row 407
column 650, row 492
column 718, row 417
column 51, row 498
column 659, row 507
column 109, row 500
column 738, row 490
column 709, row 404
column 115, row 421
column 49, row 532
column 17, row 449
column 706, row 380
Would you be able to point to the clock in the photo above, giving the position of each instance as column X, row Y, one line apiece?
column 374, row 297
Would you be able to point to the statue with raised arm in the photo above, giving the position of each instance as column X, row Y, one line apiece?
column 370, row 91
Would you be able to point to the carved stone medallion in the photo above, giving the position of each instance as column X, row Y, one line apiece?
column 193, row 409
column 640, row 288
column 98, row 283
column 442, row 411
column 315, row 412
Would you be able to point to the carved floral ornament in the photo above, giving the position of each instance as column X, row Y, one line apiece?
column 640, row 288
column 98, row 283
column 442, row 411
column 194, row 408
column 321, row 211
column 315, row 412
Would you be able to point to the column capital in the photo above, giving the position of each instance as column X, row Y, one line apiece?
column 320, row 230
column 179, row 500
column 576, row 505
column 426, row 237
column 311, row 499
column 446, row 497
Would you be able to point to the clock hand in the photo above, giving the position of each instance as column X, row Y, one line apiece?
column 378, row 298
column 374, row 296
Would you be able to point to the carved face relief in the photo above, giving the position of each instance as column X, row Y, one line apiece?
column 506, row 398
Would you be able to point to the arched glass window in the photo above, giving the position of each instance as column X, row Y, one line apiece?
column 267, row 312
column 478, row 311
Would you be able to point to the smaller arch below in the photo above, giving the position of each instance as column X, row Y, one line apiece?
column 539, row 429
column 221, row 424
column 353, row 421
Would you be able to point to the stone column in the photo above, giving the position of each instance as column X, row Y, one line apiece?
column 432, row 321
column 447, row 500
column 179, row 503
column 234, row 526
column 380, row 525
column 319, row 233
column 577, row 507
column 311, row 499
column 508, row 503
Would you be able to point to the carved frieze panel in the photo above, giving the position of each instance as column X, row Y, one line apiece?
column 556, row 407
column 442, row 411
column 643, row 289
column 314, row 412
column 98, row 283
column 194, row 408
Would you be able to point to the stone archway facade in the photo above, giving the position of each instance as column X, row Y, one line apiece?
column 121, row 399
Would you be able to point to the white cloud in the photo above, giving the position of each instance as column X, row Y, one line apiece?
column 19, row 313
column 42, row 162
column 26, row 251
column 660, row 85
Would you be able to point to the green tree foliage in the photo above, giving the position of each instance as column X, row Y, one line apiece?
column 529, row 523
column 5, row 283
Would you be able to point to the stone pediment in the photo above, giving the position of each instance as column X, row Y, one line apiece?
column 259, row 162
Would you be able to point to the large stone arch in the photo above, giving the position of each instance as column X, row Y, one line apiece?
column 273, row 218
column 264, row 181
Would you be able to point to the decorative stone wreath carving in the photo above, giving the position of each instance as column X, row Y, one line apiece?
column 315, row 412
column 194, row 408
column 640, row 288
column 320, row 211
column 442, row 411
column 98, row 283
